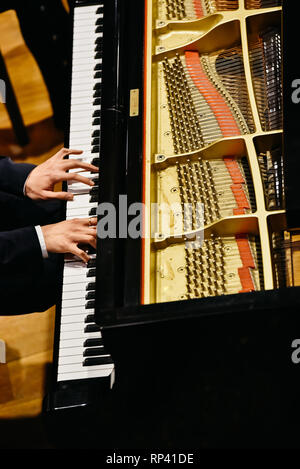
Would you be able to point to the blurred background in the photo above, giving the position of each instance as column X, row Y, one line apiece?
column 29, row 338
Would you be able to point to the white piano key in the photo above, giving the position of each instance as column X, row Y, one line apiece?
column 78, row 340
column 76, row 366
column 81, row 211
column 65, row 352
column 77, row 293
column 68, row 360
column 72, row 319
column 78, row 279
column 73, row 267
column 81, row 214
column 100, row 372
column 83, row 97
column 80, row 201
column 76, row 302
column 64, row 335
column 74, row 360
column 84, row 56
column 72, row 327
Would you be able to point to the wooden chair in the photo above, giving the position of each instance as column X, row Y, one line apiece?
column 12, row 106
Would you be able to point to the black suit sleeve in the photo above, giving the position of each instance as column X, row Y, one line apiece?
column 19, row 247
column 13, row 175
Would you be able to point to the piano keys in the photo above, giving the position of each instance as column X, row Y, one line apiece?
column 80, row 353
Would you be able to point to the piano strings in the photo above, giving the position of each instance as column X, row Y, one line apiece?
column 257, row 4
column 207, row 98
column 222, row 185
column 271, row 166
column 265, row 60
column 214, row 266
column 179, row 10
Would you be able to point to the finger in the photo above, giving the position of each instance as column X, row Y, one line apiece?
column 66, row 151
column 70, row 164
column 91, row 222
column 57, row 195
column 76, row 177
column 80, row 253
column 88, row 239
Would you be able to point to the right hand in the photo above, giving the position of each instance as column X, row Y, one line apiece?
column 65, row 236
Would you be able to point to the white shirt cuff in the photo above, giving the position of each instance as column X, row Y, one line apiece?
column 42, row 241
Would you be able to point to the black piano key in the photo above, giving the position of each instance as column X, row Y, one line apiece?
column 99, row 48
column 98, row 55
column 99, row 22
column 90, row 250
column 99, row 29
column 97, row 361
column 97, row 102
column 93, row 212
column 90, row 318
column 95, row 141
column 92, row 328
column 97, row 94
column 94, row 190
column 91, row 295
column 90, row 305
column 96, row 149
column 96, row 162
column 91, row 286
column 91, row 273
column 98, row 75
column 98, row 67
column 99, row 10
column 96, row 121
column 96, row 133
column 94, row 198
column 91, row 263
column 93, row 342
column 97, row 113
column 97, row 86
column 95, row 352
column 96, row 181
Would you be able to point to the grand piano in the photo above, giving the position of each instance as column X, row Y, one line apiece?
column 180, row 331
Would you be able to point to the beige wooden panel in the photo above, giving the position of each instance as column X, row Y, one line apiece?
column 24, row 73
column 22, row 386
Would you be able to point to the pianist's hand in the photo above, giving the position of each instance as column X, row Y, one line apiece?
column 65, row 236
column 42, row 179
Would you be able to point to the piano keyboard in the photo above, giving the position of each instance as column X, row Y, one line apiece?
column 81, row 353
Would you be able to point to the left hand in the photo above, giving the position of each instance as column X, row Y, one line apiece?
column 42, row 179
